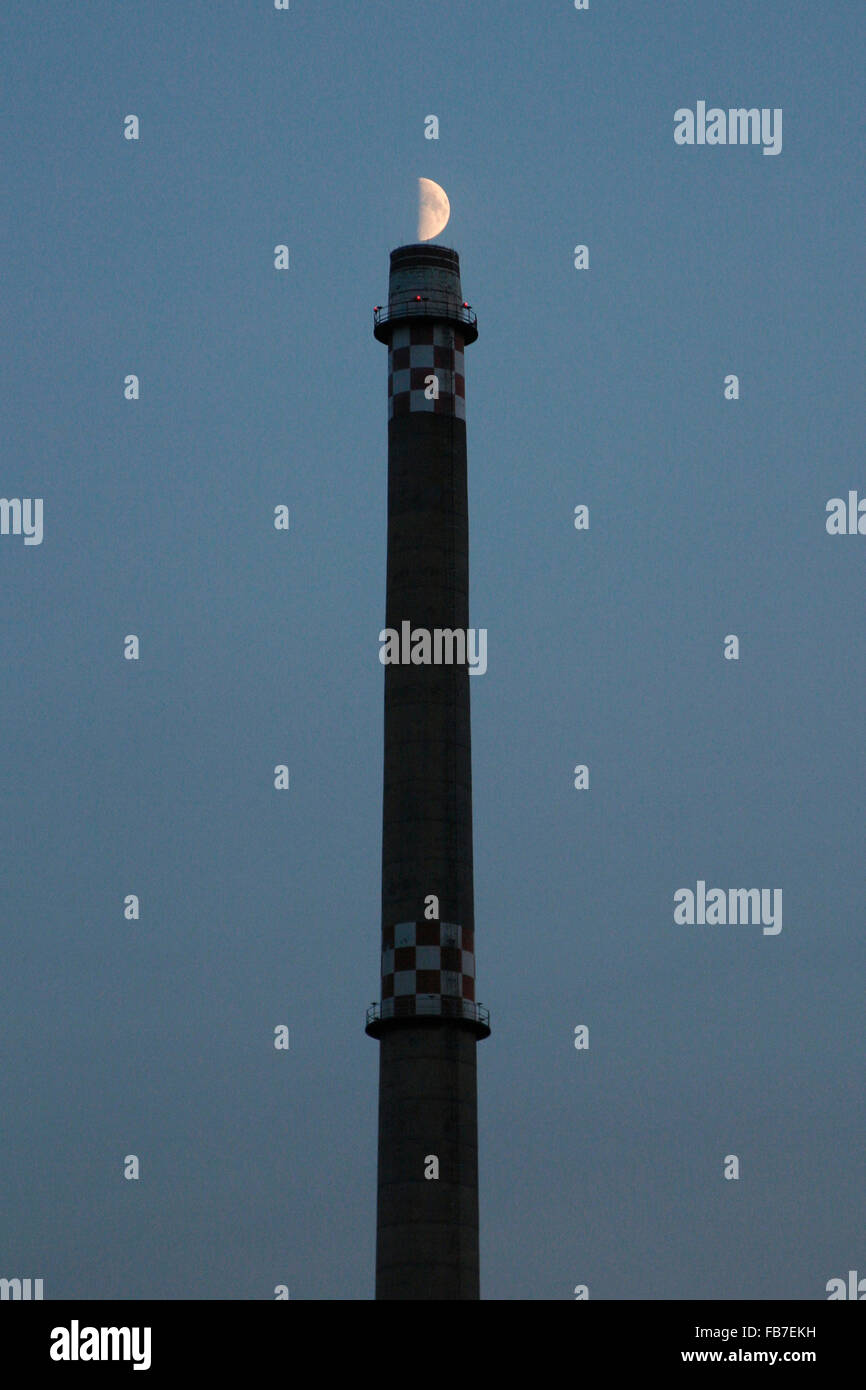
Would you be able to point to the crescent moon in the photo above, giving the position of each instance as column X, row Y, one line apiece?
column 434, row 209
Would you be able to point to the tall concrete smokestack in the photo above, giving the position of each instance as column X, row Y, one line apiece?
column 428, row 1022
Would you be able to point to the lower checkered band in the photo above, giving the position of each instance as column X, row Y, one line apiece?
column 428, row 968
column 417, row 352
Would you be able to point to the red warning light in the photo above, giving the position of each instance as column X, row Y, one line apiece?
column 417, row 296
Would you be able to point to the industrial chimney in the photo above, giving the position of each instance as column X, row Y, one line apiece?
column 428, row 1022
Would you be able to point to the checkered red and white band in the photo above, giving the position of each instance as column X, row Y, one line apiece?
column 417, row 352
column 428, row 968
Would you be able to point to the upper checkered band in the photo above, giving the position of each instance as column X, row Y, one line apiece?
column 417, row 352
column 428, row 968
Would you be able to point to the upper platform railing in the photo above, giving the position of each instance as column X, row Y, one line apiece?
column 425, row 306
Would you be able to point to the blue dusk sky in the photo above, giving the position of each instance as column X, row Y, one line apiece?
column 258, row 647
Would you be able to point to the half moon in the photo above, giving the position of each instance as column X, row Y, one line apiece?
column 434, row 209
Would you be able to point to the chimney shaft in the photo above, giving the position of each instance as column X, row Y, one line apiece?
column 428, row 1022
